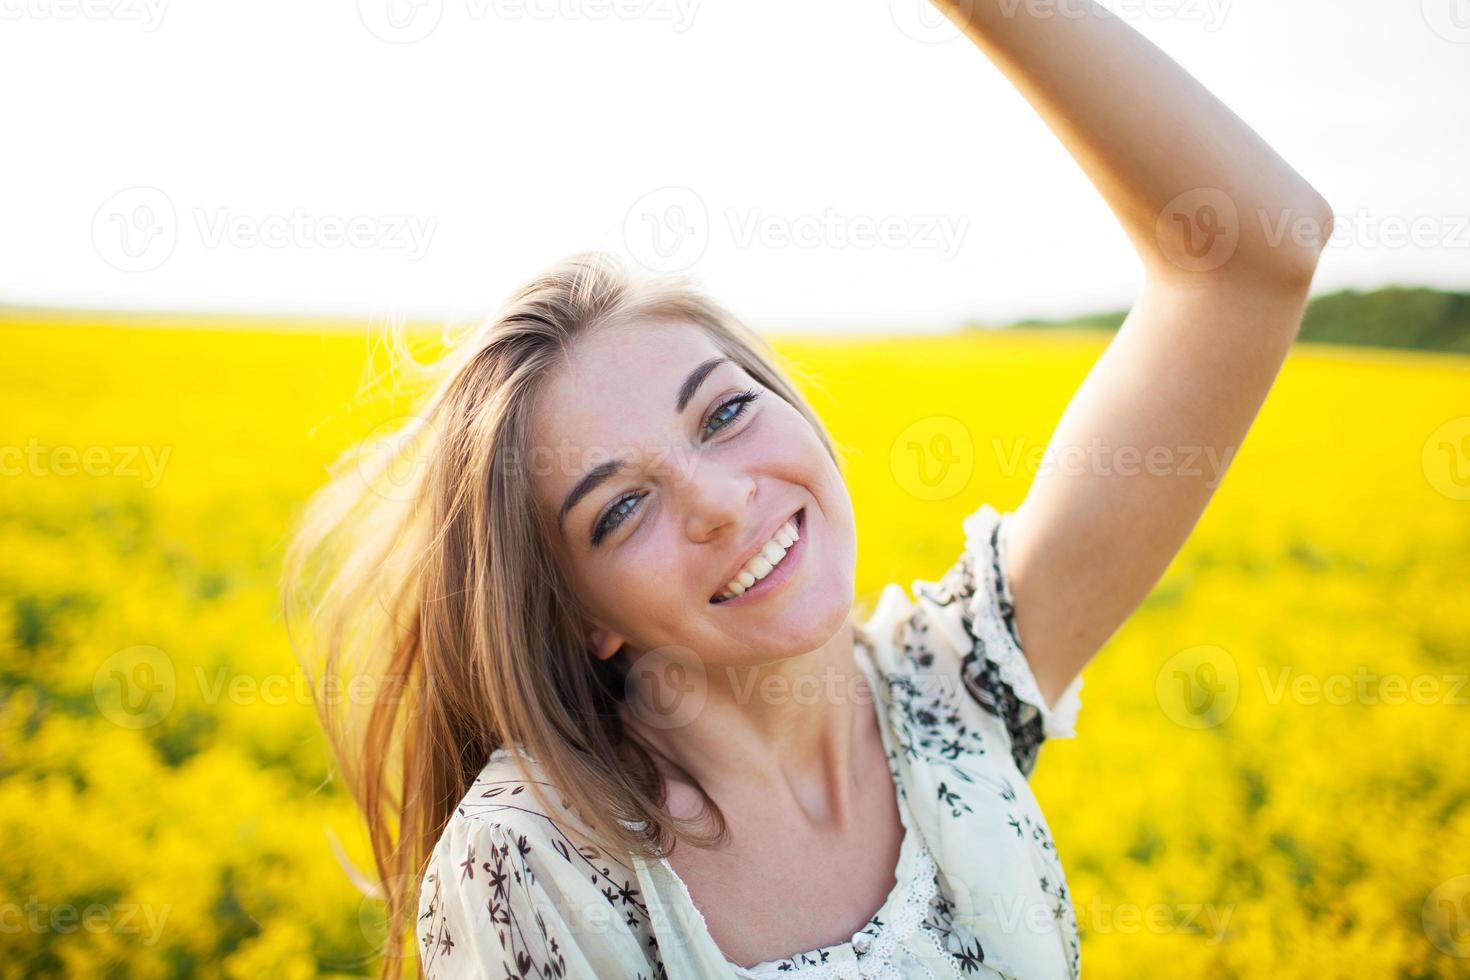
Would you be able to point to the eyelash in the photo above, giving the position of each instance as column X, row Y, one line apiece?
column 744, row 400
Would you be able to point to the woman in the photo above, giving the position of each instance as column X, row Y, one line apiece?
column 610, row 608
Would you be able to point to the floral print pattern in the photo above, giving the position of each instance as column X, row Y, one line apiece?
column 499, row 887
column 979, row 890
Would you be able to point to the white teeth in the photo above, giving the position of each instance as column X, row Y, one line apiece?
column 766, row 559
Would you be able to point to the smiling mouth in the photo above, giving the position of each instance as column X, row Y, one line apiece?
column 800, row 520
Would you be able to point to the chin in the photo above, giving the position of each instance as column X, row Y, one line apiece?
column 819, row 617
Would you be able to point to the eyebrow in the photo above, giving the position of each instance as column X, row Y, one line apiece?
column 602, row 471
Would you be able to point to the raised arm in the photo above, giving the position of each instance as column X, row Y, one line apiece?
column 1140, row 448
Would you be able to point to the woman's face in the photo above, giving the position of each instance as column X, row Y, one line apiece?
column 710, row 474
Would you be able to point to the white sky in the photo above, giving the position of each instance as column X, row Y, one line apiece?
column 514, row 132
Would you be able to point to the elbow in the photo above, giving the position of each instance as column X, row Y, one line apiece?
column 1281, row 247
column 1291, row 258
column 1272, row 247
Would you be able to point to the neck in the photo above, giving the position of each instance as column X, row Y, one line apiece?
column 790, row 727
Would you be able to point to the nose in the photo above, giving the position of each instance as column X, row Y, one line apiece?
column 717, row 502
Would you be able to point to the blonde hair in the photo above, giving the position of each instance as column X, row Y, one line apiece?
column 427, row 570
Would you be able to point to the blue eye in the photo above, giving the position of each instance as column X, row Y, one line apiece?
column 607, row 525
column 741, row 402
column 615, row 516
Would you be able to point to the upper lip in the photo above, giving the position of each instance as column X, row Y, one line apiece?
column 756, row 546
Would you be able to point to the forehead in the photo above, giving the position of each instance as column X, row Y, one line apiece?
column 651, row 348
column 613, row 395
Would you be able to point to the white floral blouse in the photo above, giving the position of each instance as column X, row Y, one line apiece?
column 979, row 888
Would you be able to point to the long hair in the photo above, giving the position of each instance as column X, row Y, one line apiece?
column 438, row 628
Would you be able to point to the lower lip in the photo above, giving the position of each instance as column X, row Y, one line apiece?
column 779, row 575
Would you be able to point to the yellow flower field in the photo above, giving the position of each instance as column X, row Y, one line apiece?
column 1272, row 771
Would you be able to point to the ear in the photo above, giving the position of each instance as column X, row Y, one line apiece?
column 606, row 643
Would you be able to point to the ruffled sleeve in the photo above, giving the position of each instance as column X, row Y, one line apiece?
column 973, row 606
column 513, row 900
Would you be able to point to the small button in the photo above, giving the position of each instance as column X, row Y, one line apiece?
column 862, row 942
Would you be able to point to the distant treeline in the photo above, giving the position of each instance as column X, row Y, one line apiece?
column 1396, row 316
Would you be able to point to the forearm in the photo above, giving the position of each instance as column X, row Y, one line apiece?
column 1145, row 132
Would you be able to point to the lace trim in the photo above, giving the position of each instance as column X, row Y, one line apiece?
column 872, row 951
column 991, row 609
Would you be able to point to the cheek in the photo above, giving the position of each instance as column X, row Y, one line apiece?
column 633, row 594
column 816, row 469
column 647, row 613
column 789, row 441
